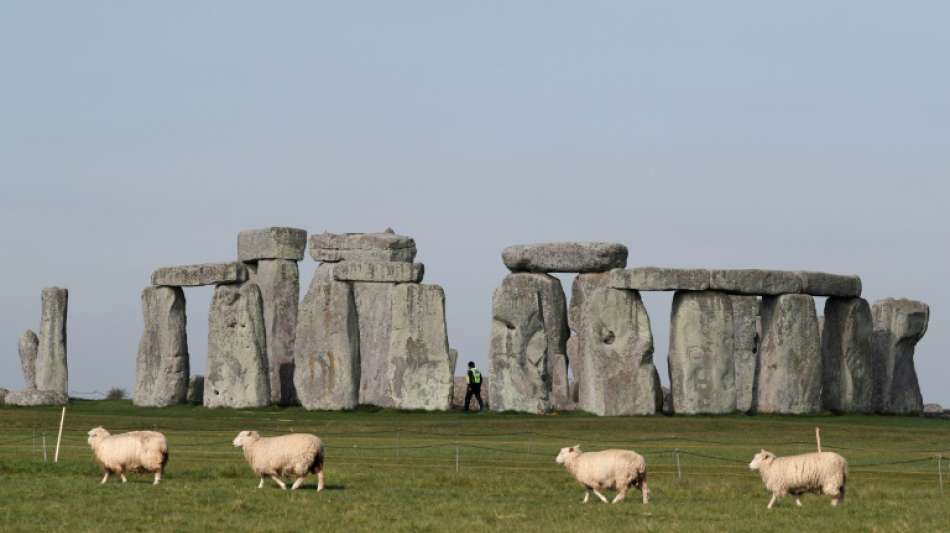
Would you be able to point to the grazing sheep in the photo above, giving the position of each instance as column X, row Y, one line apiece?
column 608, row 469
column 297, row 454
column 129, row 452
column 821, row 473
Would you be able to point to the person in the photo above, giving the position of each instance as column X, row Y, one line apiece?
column 473, row 380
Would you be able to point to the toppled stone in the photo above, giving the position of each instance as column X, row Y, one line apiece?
column 898, row 327
column 660, row 279
column 419, row 349
column 702, row 353
column 162, row 364
column 30, row 397
column 459, row 389
column 386, row 246
column 823, row 284
column 789, row 375
column 933, row 409
column 327, row 350
column 616, row 345
column 565, row 257
column 237, row 349
column 847, row 366
column 279, row 282
column 745, row 317
column 196, row 275
column 196, row 390
column 272, row 243
column 379, row 272
column 755, row 281
column 518, row 356
column 51, row 368
column 28, row 348
column 374, row 314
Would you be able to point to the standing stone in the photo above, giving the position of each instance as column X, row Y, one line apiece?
column 279, row 282
column 702, row 353
column 196, row 390
column 745, row 317
column 848, row 381
column 576, row 371
column 374, row 303
column 898, row 327
column 237, row 349
column 327, row 349
column 565, row 257
column 162, row 366
column 617, row 347
column 789, row 376
column 419, row 356
column 29, row 345
column 51, row 370
column 518, row 351
column 583, row 285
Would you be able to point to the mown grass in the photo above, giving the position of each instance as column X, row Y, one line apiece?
column 396, row 471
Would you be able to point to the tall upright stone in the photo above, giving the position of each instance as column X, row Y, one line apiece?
column 898, row 326
column 518, row 351
column 419, row 356
column 847, row 363
column 616, row 343
column 279, row 282
column 745, row 317
column 237, row 349
column 583, row 285
column 374, row 303
column 702, row 353
column 789, row 375
column 51, row 368
column 162, row 365
column 327, row 350
column 28, row 347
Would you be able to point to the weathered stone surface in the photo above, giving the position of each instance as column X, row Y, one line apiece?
column 419, row 349
column 28, row 347
column 374, row 314
column 583, row 285
column 847, row 366
column 162, row 364
column 565, row 257
column 272, row 243
column 755, row 281
column 702, row 353
column 196, row 390
column 51, row 369
column 204, row 274
column 898, row 326
column 518, row 351
column 460, row 388
column 327, row 349
column 385, row 246
column 554, row 318
column 279, row 282
column 3, row 395
column 616, row 344
column 575, row 362
column 237, row 349
column 745, row 317
column 660, row 279
column 824, row 284
column 667, row 401
column 790, row 374
column 30, row 397
column 379, row 271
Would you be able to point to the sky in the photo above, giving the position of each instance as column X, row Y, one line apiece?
column 136, row 135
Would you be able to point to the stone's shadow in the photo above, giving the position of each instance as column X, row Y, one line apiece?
column 313, row 487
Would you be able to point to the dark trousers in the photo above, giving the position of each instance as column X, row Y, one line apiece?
column 476, row 391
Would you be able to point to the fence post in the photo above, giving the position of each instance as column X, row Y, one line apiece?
column 679, row 473
column 59, row 437
column 44, row 447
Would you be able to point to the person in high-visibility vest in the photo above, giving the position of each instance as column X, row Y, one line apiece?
column 473, row 378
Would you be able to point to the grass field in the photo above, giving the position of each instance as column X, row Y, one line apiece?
column 411, row 471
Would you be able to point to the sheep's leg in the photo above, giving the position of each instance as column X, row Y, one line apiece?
column 798, row 500
column 601, row 496
column 261, row 484
column 104, row 478
column 621, row 494
column 772, row 501
column 586, row 496
column 279, row 482
column 645, row 491
column 122, row 475
column 320, row 480
column 158, row 477
column 297, row 483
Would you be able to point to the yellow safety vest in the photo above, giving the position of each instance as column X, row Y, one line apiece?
column 475, row 377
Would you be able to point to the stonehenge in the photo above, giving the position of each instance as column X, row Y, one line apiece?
column 898, row 325
column 43, row 356
column 789, row 373
column 237, row 349
column 162, row 362
column 847, row 360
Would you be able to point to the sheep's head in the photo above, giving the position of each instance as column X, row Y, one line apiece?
column 761, row 458
column 568, row 453
column 96, row 434
column 245, row 437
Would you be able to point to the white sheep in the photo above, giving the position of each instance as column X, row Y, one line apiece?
column 821, row 473
column 297, row 454
column 607, row 469
column 129, row 452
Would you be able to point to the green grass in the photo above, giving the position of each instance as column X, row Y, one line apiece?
column 390, row 470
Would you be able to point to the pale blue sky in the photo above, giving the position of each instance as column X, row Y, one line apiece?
column 730, row 134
